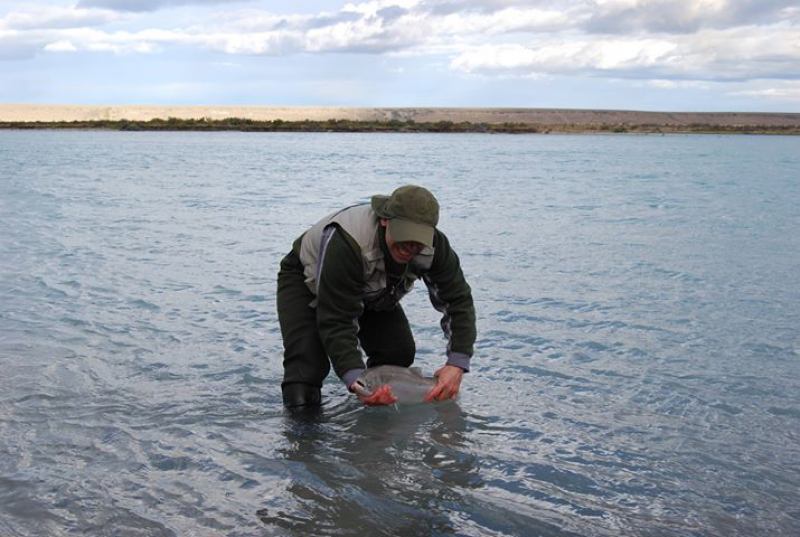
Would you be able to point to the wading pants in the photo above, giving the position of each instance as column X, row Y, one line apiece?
column 385, row 338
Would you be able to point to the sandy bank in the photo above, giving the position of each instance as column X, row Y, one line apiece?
column 534, row 116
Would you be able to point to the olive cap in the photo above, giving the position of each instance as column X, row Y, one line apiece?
column 412, row 211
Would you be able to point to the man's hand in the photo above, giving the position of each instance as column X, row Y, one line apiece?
column 380, row 397
column 448, row 386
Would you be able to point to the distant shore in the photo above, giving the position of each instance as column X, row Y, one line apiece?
column 343, row 119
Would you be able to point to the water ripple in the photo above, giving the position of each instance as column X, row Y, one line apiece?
column 635, row 369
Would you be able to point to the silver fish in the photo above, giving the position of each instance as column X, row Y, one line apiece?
column 407, row 383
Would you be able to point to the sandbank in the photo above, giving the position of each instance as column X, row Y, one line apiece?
column 530, row 116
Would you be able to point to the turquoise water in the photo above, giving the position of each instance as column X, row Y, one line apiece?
column 636, row 370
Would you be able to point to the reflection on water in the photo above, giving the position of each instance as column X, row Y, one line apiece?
column 636, row 371
column 382, row 471
column 379, row 471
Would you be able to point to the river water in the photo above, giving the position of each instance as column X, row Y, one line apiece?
column 636, row 370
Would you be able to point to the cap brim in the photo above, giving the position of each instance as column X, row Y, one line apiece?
column 407, row 230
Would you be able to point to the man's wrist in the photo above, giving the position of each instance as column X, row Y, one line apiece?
column 350, row 377
column 459, row 359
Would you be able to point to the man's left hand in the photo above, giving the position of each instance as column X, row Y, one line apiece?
column 448, row 386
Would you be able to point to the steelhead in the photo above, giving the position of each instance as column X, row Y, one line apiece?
column 407, row 383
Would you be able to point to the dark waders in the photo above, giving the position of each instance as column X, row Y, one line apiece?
column 385, row 338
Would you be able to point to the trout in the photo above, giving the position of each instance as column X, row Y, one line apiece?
column 407, row 383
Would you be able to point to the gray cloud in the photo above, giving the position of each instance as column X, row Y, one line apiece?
column 671, row 16
column 392, row 13
column 325, row 20
column 449, row 7
column 138, row 6
column 57, row 18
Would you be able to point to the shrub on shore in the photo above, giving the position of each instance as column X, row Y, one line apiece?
column 391, row 125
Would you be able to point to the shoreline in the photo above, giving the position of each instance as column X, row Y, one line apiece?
column 344, row 126
column 344, row 119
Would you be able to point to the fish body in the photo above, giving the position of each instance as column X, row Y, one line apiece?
column 407, row 383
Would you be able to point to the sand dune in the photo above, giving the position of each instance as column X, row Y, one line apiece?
column 536, row 116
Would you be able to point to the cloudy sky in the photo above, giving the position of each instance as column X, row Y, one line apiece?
column 712, row 55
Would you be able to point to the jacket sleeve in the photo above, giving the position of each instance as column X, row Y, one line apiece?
column 451, row 295
column 340, row 303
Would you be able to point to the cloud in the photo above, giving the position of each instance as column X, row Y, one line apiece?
column 138, row 6
column 60, row 46
column 449, row 7
column 56, row 17
column 786, row 92
column 567, row 56
column 736, row 54
column 662, row 40
column 681, row 16
column 266, row 43
column 382, row 27
column 507, row 21
column 89, row 40
column 677, row 84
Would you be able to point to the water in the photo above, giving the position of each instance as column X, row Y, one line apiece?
column 636, row 371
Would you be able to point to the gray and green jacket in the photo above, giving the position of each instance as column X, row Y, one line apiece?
column 348, row 269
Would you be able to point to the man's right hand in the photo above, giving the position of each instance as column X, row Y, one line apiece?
column 380, row 397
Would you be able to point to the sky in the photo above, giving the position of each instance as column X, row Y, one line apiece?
column 660, row 55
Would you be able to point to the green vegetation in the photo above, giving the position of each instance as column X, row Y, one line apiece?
column 393, row 125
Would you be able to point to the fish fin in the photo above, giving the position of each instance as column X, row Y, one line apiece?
column 416, row 370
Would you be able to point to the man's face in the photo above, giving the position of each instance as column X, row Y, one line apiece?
column 401, row 252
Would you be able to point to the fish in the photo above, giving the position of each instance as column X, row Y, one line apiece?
column 408, row 384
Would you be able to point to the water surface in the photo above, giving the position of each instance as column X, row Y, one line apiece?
column 636, row 370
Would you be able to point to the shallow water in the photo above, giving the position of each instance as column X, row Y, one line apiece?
column 636, row 371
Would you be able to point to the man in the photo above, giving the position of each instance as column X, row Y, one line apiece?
column 339, row 291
